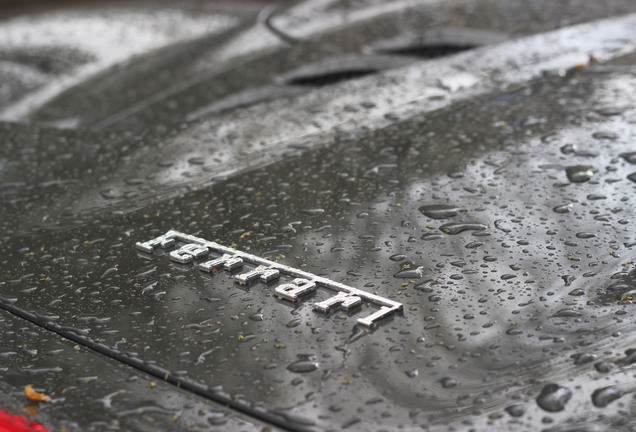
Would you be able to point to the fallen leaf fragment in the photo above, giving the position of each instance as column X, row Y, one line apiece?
column 35, row 396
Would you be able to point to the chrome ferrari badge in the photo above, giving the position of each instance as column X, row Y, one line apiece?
column 252, row 268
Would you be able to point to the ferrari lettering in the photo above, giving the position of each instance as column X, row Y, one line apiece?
column 215, row 257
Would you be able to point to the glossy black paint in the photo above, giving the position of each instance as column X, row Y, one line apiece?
column 517, row 315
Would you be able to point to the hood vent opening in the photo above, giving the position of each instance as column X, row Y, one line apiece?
column 327, row 78
column 436, row 42
column 428, row 51
column 338, row 69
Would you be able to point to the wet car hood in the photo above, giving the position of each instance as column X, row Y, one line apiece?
column 471, row 165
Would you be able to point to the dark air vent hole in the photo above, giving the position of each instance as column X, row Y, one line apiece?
column 427, row 51
column 436, row 42
column 328, row 78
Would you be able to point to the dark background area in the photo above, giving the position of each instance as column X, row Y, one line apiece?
column 12, row 8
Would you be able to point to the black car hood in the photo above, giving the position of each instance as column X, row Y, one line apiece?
column 488, row 192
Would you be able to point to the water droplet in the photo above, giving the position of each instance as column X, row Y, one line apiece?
column 293, row 323
column 605, row 135
column 447, row 382
column 568, row 149
column 474, row 245
column 629, row 157
column 603, row 366
column 612, row 111
column 553, row 397
column 412, row 373
column 398, row 257
column 585, row 235
column 631, row 356
column 109, row 272
column 312, row 212
column 257, row 316
column 516, row 410
column 410, row 273
column 580, row 173
column 596, row 197
column 196, row 160
column 583, row 358
column 133, row 181
column 431, row 236
column 603, row 396
column 456, row 228
column 500, row 225
column 567, row 313
column 217, row 419
column 568, row 279
column 305, row 363
column 439, row 211
column 350, row 423
column 108, row 194
column 563, row 208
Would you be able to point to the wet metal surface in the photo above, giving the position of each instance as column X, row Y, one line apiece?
column 493, row 298
column 158, row 163
column 90, row 392
column 499, row 211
